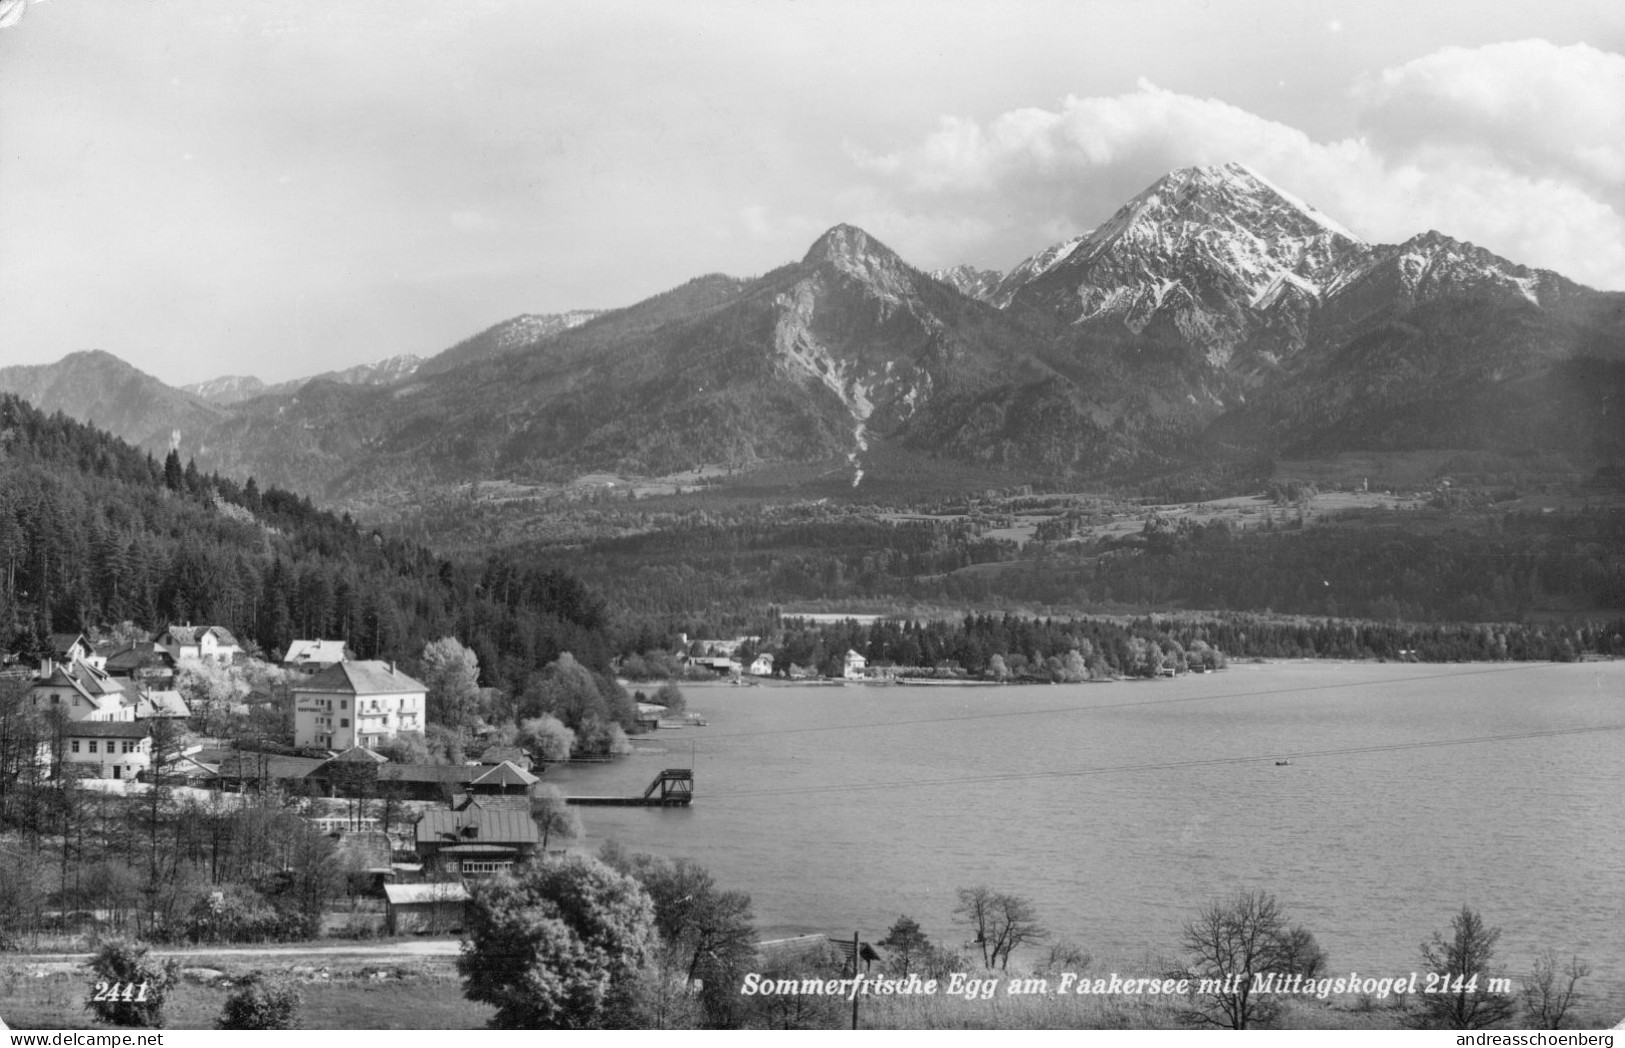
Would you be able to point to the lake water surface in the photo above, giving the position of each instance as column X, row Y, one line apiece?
column 1119, row 809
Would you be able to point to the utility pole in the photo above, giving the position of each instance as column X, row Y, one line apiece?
column 855, row 948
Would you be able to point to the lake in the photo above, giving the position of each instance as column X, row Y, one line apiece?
column 1119, row 809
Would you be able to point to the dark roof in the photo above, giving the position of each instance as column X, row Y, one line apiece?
column 137, row 656
column 62, row 643
column 488, row 826
column 84, row 678
column 271, row 765
column 359, row 678
column 489, row 801
column 107, row 730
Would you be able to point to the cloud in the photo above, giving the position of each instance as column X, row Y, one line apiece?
column 1532, row 106
column 1447, row 144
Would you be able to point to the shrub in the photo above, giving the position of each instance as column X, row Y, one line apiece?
column 262, row 1002
column 127, row 988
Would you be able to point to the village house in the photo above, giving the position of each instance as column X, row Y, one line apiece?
column 763, row 666
column 361, row 703
column 199, row 642
column 82, row 693
column 855, row 665
column 69, row 648
column 312, row 656
column 476, row 841
column 108, row 749
column 144, row 662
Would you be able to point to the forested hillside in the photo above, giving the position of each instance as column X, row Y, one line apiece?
column 93, row 531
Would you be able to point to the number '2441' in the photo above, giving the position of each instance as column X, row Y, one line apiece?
column 120, row 991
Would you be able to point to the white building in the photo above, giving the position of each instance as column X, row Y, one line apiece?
column 855, row 665
column 763, row 666
column 82, row 693
column 361, row 703
column 108, row 749
column 199, row 642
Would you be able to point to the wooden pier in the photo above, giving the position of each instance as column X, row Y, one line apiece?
column 672, row 788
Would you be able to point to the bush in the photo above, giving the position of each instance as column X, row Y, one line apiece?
column 128, row 989
column 262, row 1002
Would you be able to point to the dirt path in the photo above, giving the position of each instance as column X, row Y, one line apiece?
column 385, row 951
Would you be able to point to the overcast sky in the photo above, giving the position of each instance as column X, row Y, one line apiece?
column 283, row 187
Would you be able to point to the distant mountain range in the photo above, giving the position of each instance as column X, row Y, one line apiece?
column 1213, row 314
column 233, row 389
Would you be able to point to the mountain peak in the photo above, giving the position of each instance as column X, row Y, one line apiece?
column 1224, row 194
column 844, row 244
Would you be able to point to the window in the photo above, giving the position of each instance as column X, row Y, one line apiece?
column 344, row 722
column 344, row 704
column 75, row 745
column 92, row 745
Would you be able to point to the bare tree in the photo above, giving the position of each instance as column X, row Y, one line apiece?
column 1549, row 992
column 1460, row 969
column 1002, row 923
column 1234, row 941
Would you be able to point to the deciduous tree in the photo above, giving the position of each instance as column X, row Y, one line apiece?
column 1002, row 923
column 1461, row 964
column 560, row 945
column 1231, row 943
column 1550, row 990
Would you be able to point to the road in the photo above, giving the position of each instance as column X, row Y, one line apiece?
column 411, row 948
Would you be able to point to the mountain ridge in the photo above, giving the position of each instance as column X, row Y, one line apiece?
column 1212, row 311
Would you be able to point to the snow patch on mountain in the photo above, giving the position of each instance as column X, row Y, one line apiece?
column 531, row 327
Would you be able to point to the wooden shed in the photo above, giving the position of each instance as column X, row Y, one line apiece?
column 433, row 907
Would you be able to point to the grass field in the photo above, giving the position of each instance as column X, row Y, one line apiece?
column 419, row 996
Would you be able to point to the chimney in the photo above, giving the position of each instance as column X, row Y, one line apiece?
column 392, row 667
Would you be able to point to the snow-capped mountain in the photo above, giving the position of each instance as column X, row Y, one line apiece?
column 968, row 280
column 1217, row 257
column 237, row 388
column 511, row 335
column 227, row 389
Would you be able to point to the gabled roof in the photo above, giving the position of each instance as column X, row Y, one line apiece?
column 194, row 635
column 137, row 656
column 161, row 704
column 506, row 774
column 62, row 643
column 365, row 677
column 478, row 826
column 318, row 652
column 87, row 680
column 361, row 755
